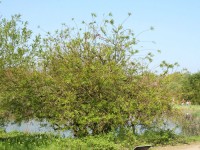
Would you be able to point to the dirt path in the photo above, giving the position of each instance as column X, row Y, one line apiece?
column 192, row 146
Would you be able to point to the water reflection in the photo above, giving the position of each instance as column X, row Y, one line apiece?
column 35, row 126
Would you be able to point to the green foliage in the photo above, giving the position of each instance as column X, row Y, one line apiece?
column 176, row 82
column 111, row 141
column 21, row 141
column 17, row 56
column 88, row 81
column 102, row 142
column 15, row 36
column 193, row 139
column 184, row 86
column 191, row 88
column 161, row 137
column 126, row 137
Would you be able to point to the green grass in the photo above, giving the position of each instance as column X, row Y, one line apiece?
column 193, row 139
column 25, row 141
column 193, row 109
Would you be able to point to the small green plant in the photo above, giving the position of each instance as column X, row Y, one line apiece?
column 161, row 137
column 24, row 141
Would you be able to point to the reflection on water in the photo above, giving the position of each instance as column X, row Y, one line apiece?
column 172, row 126
column 35, row 126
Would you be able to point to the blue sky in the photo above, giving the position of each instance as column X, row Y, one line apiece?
column 176, row 22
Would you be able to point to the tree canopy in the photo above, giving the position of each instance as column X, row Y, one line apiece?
column 82, row 79
column 191, row 88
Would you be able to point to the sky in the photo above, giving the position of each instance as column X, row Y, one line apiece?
column 176, row 22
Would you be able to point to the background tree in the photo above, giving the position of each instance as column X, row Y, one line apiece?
column 175, row 84
column 191, row 88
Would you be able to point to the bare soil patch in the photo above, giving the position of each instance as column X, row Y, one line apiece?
column 191, row 146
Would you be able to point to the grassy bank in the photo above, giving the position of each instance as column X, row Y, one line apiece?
column 25, row 141
column 192, row 109
column 22, row 141
column 113, row 141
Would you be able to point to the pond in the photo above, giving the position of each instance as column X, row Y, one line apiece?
column 38, row 127
column 35, row 127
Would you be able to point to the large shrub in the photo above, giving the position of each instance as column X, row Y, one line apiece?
column 87, row 80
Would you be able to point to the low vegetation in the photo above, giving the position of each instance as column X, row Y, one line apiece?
column 25, row 141
column 120, row 139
